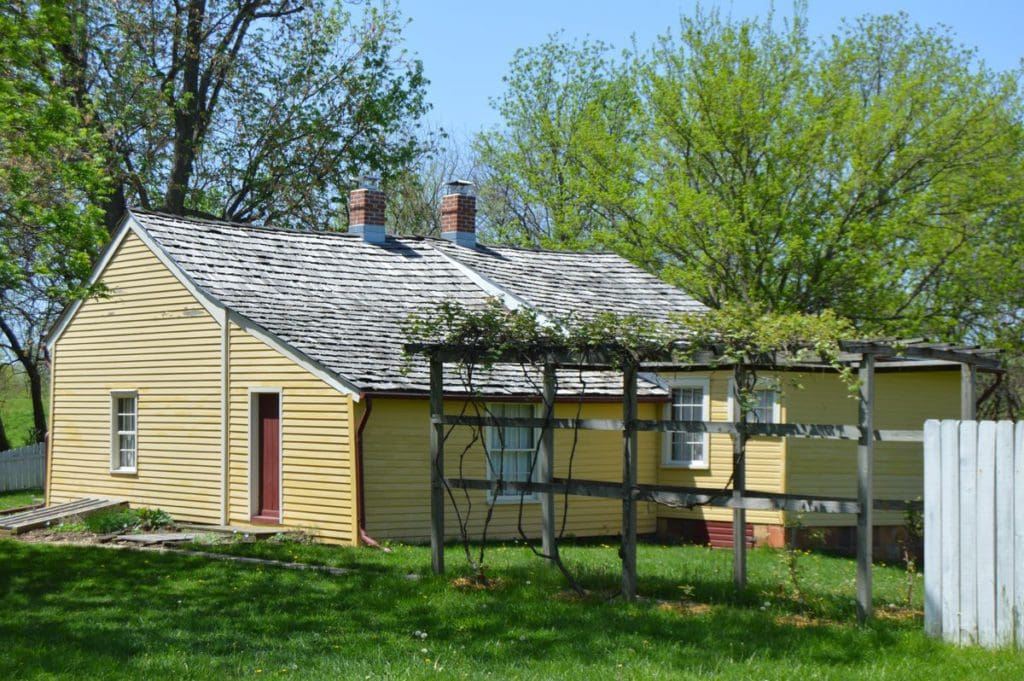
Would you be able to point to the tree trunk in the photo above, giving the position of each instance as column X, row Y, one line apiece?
column 5, row 444
column 115, row 207
column 187, row 112
column 35, row 388
column 30, row 362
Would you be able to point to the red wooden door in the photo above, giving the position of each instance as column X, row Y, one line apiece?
column 269, row 506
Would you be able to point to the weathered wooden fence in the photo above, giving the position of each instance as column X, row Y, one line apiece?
column 974, row 532
column 22, row 468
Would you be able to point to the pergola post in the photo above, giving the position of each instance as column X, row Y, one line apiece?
column 865, row 492
column 968, row 392
column 437, row 465
column 629, row 480
column 739, row 487
column 546, row 466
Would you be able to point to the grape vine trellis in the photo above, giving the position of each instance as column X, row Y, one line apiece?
column 496, row 339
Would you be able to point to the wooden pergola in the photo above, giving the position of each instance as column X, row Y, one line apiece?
column 863, row 355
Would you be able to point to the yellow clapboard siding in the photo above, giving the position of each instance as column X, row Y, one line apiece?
column 316, row 441
column 764, row 460
column 149, row 335
column 903, row 401
column 397, row 474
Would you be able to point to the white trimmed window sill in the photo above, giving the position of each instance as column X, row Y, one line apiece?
column 685, row 466
column 124, row 471
column 505, row 500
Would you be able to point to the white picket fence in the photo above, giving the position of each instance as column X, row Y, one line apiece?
column 974, row 532
column 22, row 468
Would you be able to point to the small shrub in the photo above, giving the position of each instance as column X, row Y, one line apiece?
column 153, row 519
column 113, row 520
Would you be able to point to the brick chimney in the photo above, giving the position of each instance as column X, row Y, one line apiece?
column 366, row 205
column 458, row 213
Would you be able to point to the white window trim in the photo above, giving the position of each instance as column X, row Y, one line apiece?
column 666, row 436
column 515, row 497
column 254, row 454
column 115, row 445
column 765, row 383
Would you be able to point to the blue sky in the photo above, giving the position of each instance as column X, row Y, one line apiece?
column 466, row 46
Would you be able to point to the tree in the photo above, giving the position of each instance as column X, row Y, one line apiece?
column 878, row 173
column 248, row 111
column 558, row 173
column 51, row 174
column 414, row 192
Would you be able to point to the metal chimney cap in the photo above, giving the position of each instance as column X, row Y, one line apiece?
column 463, row 187
column 366, row 182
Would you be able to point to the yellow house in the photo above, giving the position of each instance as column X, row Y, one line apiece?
column 233, row 374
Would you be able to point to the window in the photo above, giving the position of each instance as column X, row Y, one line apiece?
column 510, row 450
column 689, row 403
column 766, row 407
column 124, row 412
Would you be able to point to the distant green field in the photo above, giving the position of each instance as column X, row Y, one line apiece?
column 15, row 407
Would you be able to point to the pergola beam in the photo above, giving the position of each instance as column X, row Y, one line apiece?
column 800, row 430
column 684, row 497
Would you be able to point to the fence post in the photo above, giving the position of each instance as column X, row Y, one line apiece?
column 437, row 465
column 629, row 480
column 546, row 462
column 865, row 493
column 1005, row 529
column 950, row 563
column 739, row 485
column 1018, row 532
column 968, row 490
column 932, row 528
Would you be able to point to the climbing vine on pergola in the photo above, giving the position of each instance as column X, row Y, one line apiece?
column 480, row 341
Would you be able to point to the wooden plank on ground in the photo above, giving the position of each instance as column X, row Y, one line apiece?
column 156, row 538
column 43, row 517
column 257, row 531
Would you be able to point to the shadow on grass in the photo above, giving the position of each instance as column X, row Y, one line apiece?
column 128, row 614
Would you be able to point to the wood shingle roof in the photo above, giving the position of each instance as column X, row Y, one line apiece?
column 343, row 302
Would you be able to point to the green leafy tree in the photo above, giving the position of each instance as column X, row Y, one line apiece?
column 250, row 111
column 877, row 173
column 556, row 174
column 51, row 175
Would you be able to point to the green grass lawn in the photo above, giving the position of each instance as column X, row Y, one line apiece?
column 19, row 498
column 81, row 612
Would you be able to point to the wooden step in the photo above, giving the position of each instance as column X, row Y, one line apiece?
column 52, row 515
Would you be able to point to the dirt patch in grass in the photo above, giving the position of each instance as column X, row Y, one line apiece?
column 899, row 613
column 802, row 621
column 685, row 607
column 54, row 535
column 474, row 584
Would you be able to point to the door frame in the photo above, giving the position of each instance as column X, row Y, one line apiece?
column 254, row 446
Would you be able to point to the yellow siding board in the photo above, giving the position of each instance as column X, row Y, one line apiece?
column 764, row 460
column 904, row 400
column 397, row 474
column 317, row 443
column 152, row 336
